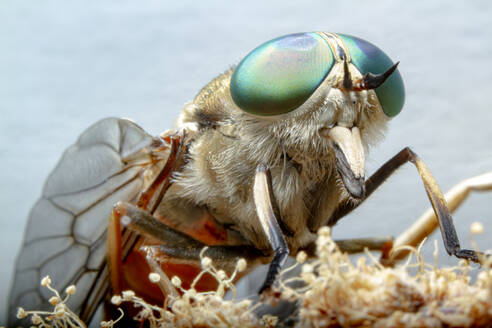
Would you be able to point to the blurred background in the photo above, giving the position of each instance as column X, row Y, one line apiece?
column 66, row 64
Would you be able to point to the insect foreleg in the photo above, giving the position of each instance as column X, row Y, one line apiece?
column 434, row 193
column 428, row 222
column 266, row 210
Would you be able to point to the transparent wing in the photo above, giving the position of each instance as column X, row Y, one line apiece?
column 66, row 232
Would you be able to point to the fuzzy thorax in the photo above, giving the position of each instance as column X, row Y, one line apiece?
column 229, row 144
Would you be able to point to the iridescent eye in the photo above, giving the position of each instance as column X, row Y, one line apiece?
column 281, row 74
column 369, row 58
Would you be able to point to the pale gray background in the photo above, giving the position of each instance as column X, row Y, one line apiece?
column 66, row 64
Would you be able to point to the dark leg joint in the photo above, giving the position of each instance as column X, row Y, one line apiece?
column 278, row 261
column 470, row 255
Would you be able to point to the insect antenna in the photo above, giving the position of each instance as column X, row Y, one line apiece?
column 373, row 81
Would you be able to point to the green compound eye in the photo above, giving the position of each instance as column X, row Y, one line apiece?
column 281, row 74
column 369, row 58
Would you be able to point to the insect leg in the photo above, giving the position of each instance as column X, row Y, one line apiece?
column 115, row 250
column 224, row 257
column 118, row 247
column 434, row 193
column 144, row 224
column 162, row 181
column 268, row 213
column 179, row 247
column 428, row 222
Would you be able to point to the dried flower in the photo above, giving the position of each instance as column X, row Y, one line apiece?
column 54, row 300
column 116, row 300
column 70, row 290
column 128, row 295
column 221, row 275
column 176, row 281
column 46, row 281
column 241, row 265
column 154, row 277
column 206, row 262
column 476, row 228
column 301, row 257
column 36, row 319
column 21, row 313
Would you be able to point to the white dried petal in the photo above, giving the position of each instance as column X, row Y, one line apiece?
column 60, row 310
column 128, row 295
column 324, row 232
column 70, row 290
column 221, row 275
column 307, row 268
column 21, row 313
column 241, row 265
column 301, row 257
column 116, row 300
column 476, row 228
column 176, row 281
column 206, row 262
column 154, row 277
column 54, row 300
column 46, row 281
column 36, row 319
